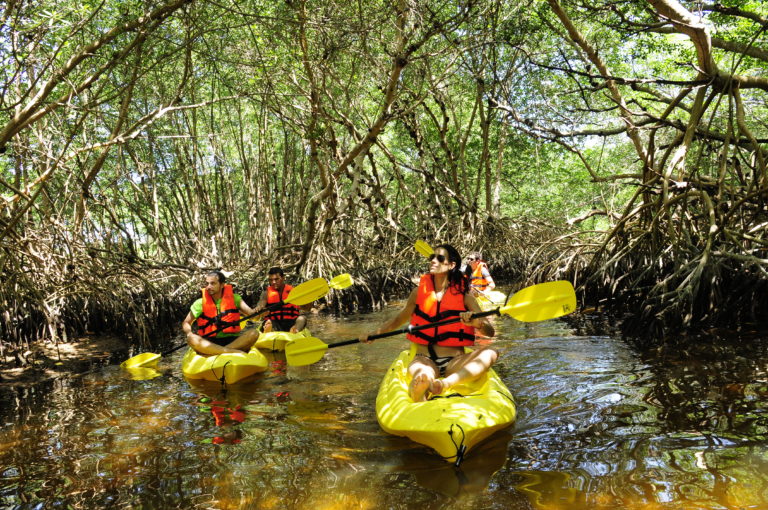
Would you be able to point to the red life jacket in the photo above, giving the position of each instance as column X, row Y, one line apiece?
column 212, row 319
column 429, row 309
column 477, row 279
column 287, row 312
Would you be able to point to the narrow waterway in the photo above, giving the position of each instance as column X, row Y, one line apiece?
column 599, row 427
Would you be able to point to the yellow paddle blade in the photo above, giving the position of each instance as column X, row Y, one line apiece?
column 423, row 248
column 305, row 351
column 341, row 282
column 541, row 302
column 145, row 360
column 307, row 292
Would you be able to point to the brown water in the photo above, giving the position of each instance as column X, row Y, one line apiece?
column 599, row 428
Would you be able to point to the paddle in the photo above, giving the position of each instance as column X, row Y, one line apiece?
column 301, row 294
column 341, row 281
column 535, row 303
column 423, row 248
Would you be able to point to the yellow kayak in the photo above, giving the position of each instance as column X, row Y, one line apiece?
column 228, row 368
column 491, row 300
column 277, row 340
column 452, row 424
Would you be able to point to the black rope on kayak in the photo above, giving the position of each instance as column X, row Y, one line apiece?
column 461, row 448
column 462, row 477
column 433, row 397
column 223, row 378
column 508, row 397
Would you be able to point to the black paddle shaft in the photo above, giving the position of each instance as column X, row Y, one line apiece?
column 410, row 328
column 268, row 308
column 166, row 353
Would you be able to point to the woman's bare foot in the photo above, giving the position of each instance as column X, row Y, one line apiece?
column 438, row 386
column 267, row 327
column 419, row 386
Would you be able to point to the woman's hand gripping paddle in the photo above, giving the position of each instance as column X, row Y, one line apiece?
column 535, row 303
column 302, row 294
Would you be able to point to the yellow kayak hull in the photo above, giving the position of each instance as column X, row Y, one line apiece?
column 450, row 425
column 229, row 368
column 146, row 359
column 491, row 300
column 277, row 340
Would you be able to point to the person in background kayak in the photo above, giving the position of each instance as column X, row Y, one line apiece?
column 441, row 361
column 216, row 316
column 286, row 318
column 480, row 277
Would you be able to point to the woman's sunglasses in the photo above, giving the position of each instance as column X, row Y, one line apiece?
column 440, row 258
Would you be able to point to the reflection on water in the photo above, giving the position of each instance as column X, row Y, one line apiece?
column 141, row 373
column 599, row 427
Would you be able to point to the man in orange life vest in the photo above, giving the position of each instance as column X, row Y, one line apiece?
column 286, row 318
column 480, row 278
column 217, row 317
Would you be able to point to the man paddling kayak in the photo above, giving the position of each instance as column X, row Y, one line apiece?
column 216, row 316
column 286, row 318
column 443, row 293
column 481, row 281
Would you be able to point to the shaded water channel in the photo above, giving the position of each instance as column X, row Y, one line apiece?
column 599, row 427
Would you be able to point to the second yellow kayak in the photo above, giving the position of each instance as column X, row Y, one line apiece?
column 492, row 299
column 277, row 340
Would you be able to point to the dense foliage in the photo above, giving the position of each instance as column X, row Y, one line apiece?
column 620, row 144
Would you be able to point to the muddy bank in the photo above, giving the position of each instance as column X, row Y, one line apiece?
column 46, row 361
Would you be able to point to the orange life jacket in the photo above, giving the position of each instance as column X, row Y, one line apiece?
column 429, row 309
column 287, row 312
column 477, row 279
column 212, row 319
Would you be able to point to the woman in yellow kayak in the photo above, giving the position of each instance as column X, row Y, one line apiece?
column 441, row 361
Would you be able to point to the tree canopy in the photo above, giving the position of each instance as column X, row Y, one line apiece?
column 618, row 144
